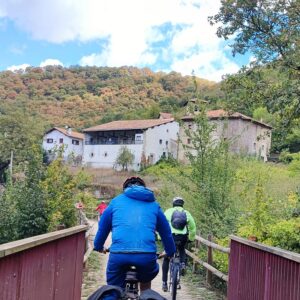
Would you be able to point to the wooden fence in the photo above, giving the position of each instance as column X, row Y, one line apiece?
column 260, row 272
column 208, row 265
column 47, row 266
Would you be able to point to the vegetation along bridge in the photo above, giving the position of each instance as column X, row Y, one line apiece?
column 50, row 266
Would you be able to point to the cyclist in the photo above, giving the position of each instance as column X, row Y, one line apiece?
column 101, row 208
column 133, row 217
column 183, row 229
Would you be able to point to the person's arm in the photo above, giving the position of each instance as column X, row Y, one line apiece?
column 165, row 233
column 104, row 227
column 191, row 226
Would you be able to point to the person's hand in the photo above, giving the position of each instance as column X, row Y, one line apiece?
column 161, row 255
column 103, row 250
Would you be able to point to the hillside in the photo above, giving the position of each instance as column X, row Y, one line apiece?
column 84, row 96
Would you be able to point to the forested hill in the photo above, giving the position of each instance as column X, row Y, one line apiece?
column 85, row 96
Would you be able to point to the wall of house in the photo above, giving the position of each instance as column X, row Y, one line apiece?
column 184, row 140
column 69, row 148
column 105, row 156
column 246, row 137
column 249, row 138
column 159, row 141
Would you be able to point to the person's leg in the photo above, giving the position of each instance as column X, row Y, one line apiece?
column 147, row 268
column 181, row 247
column 165, row 269
column 115, row 270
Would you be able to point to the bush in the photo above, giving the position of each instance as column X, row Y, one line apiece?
column 285, row 234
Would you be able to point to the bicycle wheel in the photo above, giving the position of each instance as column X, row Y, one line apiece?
column 174, row 280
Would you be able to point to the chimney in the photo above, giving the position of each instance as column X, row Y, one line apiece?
column 69, row 129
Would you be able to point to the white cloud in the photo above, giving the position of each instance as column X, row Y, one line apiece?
column 51, row 62
column 130, row 29
column 18, row 67
column 211, row 65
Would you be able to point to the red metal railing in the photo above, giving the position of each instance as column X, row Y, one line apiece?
column 46, row 267
column 259, row 272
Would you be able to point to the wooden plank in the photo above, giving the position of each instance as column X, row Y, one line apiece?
column 212, row 245
column 20, row 245
column 207, row 266
column 210, row 262
column 274, row 250
column 87, row 254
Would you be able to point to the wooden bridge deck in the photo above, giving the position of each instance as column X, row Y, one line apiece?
column 94, row 277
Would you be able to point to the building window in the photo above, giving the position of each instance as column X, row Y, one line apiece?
column 167, row 142
column 75, row 142
column 254, row 146
column 167, row 130
column 49, row 141
column 105, row 154
column 188, row 141
column 61, row 141
column 160, row 142
column 92, row 154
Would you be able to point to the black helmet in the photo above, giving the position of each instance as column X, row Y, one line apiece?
column 133, row 181
column 178, row 201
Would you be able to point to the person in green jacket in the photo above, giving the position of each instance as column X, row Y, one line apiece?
column 183, row 228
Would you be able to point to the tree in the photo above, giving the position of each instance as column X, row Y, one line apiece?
column 31, row 200
column 8, row 213
column 125, row 158
column 23, row 203
column 270, row 30
column 60, row 188
column 18, row 132
column 211, row 176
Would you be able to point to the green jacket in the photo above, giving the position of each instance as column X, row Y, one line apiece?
column 190, row 222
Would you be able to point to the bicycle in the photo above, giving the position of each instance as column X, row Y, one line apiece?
column 132, row 291
column 175, row 274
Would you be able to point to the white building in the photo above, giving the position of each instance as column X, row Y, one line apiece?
column 148, row 140
column 247, row 136
column 72, row 142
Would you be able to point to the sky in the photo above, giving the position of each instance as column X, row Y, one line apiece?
column 163, row 35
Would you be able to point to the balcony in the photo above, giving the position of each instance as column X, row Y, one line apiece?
column 113, row 141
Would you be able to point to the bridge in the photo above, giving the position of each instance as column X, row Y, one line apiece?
column 50, row 267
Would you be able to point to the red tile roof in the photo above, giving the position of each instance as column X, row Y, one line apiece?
column 221, row 113
column 163, row 115
column 129, row 124
column 72, row 134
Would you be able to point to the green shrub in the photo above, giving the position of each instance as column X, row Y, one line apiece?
column 285, row 234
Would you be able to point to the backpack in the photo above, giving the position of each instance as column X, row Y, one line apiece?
column 179, row 219
column 106, row 290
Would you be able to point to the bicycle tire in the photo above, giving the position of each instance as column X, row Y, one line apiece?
column 174, row 280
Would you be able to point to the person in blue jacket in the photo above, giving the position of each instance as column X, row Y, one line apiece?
column 133, row 217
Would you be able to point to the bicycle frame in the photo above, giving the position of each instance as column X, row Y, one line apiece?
column 175, row 271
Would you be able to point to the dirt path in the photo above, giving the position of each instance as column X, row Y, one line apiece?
column 94, row 277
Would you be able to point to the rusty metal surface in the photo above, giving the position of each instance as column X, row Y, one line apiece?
column 52, row 271
column 258, row 275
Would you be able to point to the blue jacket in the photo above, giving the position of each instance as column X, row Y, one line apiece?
column 133, row 217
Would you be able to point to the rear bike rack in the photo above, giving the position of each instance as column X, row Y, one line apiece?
column 131, row 284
